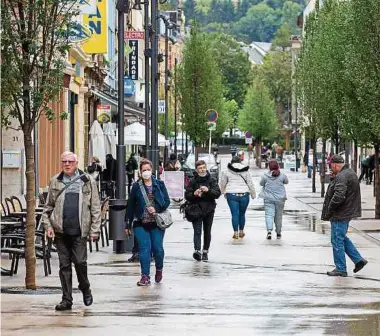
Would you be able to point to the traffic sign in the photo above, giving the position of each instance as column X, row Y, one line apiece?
column 161, row 107
column 211, row 126
column 248, row 141
column 248, row 134
column 212, row 115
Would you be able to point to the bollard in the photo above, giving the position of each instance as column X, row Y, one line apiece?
column 121, row 243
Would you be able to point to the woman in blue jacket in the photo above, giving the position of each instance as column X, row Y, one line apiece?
column 142, row 218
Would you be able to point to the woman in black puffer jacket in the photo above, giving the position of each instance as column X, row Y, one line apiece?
column 202, row 191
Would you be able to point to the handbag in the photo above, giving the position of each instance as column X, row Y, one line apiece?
column 163, row 219
column 191, row 211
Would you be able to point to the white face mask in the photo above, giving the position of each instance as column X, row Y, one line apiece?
column 146, row 175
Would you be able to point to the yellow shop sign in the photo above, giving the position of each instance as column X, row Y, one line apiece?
column 97, row 23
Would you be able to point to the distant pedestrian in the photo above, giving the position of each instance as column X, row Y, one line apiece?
column 95, row 168
column 142, row 219
column 241, row 156
column 274, row 195
column 173, row 164
column 233, row 150
column 364, row 169
column 202, row 192
column 72, row 214
column 130, row 168
column 250, row 152
column 342, row 203
column 236, row 184
column 310, row 161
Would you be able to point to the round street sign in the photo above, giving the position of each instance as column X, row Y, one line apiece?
column 248, row 135
column 211, row 115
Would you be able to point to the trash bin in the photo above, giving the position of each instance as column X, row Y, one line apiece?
column 121, row 243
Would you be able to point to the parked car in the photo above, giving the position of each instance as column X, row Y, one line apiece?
column 213, row 166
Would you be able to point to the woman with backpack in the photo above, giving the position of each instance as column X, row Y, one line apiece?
column 236, row 184
column 274, row 195
column 201, row 194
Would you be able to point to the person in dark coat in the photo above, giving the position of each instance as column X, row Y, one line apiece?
column 342, row 203
column 130, row 168
column 202, row 190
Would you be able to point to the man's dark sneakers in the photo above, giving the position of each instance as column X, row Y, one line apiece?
column 279, row 235
column 335, row 272
column 87, row 298
column 205, row 256
column 269, row 235
column 197, row 255
column 63, row 306
column 359, row 265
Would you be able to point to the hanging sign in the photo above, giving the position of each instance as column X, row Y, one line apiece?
column 133, row 64
column 103, row 113
column 129, row 87
column 97, row 22
column 134, row 35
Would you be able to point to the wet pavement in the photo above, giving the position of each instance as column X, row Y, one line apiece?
column 251, row 286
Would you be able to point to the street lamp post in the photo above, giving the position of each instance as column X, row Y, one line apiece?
column 154, row 87
column 118, row 205
column 175, row 105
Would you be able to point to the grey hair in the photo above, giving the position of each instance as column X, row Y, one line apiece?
column 68, row 153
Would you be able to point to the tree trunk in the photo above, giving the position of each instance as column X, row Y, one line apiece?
column 323, row 168
column 258, row 153
column 355, row 156
column 313, row 187
column 30, row 253
column 377, row 181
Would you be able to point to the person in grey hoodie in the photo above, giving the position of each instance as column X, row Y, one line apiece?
column 236, row 184
column 274, row 196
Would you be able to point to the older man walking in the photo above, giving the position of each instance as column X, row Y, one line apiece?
column 342, row 203
column 70, row 216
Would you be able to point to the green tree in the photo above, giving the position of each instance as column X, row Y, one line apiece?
column 199, row 84
column 259, row 24
column 189, row 9
column 34, row 48
column 234, row 65
column 258, row 115
column 290, row 11
column 282, row 38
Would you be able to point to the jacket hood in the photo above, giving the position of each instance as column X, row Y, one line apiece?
column 269, row 175
column 237, row 167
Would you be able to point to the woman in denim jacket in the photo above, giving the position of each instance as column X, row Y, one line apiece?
column 142, row 218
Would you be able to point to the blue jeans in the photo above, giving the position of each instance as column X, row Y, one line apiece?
column 309, row 171
column 342, row 244
column 238, row 206
column 149, row 240
column 273, row 212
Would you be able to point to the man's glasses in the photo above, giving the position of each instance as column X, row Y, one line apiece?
column 67, row 162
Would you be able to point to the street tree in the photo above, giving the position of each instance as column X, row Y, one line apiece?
column 34, row 49
column 258, row 115
column 199, row 85
column 234, row 65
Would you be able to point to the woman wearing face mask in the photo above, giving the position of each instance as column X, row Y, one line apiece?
column 202, row 190
column 141, row 218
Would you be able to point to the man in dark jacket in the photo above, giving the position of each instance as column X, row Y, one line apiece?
column 203, row 190
column 342, row 203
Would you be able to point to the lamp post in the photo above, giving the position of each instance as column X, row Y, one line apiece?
column 147, row 56
column 296, row 45
column 175, row 105
column 118, row 205
column 168, row 25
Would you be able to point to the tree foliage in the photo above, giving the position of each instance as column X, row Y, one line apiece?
column 338, row 73
column 200, row 86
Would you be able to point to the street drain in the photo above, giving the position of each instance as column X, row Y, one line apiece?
column 39, row 291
